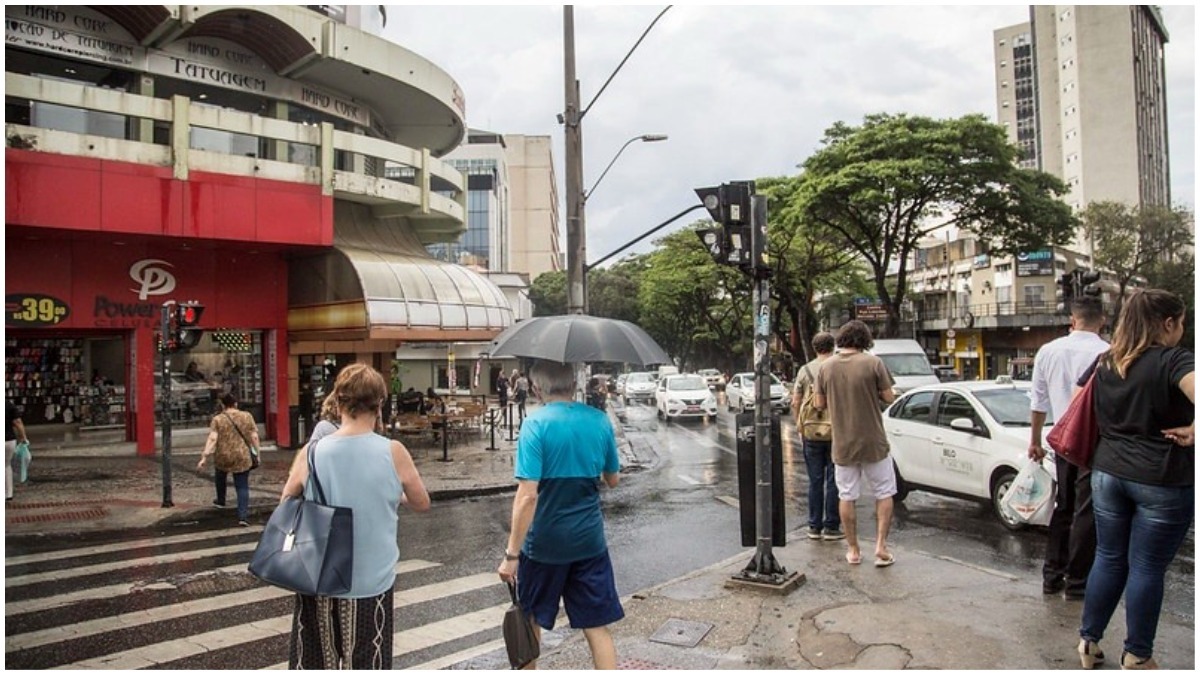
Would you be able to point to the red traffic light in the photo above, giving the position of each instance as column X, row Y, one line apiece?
column 188, row 314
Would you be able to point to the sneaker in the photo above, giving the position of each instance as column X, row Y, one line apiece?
column 1053, row 586
column 833, row 535
column 218, row 504
column 242, row 523
column 814, row 533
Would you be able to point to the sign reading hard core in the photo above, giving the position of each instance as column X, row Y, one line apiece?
column 81, row 33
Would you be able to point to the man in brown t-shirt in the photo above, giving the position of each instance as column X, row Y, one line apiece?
column 851, row 384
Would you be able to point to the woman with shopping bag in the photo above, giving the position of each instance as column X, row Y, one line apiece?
column 14, row 432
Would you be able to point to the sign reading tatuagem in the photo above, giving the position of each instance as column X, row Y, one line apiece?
column 79, row 32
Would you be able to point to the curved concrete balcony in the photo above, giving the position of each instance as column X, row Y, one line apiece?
column 396, row 181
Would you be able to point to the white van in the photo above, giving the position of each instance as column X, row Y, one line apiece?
column 906, row 361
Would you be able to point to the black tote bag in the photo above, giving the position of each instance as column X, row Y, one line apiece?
column 307, row 546
column 519, row 636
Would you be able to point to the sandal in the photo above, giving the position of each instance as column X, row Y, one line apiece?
column 853, row 559
column 886, row 560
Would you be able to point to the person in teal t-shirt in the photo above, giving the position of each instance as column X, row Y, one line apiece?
column 556, row 548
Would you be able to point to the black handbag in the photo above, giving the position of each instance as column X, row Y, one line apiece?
column 307, row 546
column 519, row 637
column 254, row 462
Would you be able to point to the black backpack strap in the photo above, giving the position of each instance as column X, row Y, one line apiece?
column 312, row 473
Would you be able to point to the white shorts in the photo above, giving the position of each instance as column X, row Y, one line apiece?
column 881, row 475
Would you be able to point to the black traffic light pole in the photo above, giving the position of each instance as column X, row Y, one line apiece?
column 164, row 349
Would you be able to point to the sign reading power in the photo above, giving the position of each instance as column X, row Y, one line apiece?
column 34, row 310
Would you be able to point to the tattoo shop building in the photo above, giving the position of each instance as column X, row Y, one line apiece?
column 277, row 164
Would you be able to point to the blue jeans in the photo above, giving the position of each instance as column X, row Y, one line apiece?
column 241, row 485
column 822, row 489
column 1139, row 529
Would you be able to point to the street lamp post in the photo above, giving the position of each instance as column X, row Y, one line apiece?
column 645, row 138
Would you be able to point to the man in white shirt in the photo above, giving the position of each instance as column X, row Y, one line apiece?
column 1071, row 545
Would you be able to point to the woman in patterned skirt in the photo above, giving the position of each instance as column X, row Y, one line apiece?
column 372, row 475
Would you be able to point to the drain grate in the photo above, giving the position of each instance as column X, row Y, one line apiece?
column 89, row 514
column 681, row 633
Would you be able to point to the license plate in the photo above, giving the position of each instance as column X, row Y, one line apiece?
column 693, row 408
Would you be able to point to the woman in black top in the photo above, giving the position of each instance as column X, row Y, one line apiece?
column 1143, row 473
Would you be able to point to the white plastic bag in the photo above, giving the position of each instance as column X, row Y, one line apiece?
column 1030, row 497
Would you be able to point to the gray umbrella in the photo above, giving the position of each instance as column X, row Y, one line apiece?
column 578, row 338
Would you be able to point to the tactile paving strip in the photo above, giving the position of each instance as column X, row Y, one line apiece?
column 89, row 514
column 643, row 664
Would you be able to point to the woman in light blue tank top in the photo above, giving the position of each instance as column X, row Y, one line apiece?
column 373, row 476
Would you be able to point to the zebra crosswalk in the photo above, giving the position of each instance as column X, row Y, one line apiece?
column 187, row 601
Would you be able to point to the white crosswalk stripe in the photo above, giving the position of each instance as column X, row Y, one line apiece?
column 172, row 610
column 128, row 546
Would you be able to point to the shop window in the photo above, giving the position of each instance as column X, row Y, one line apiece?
column 225, row 362
column 462, row 379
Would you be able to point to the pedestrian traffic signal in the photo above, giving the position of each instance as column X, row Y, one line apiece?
column 729, row 205
column 187, row 318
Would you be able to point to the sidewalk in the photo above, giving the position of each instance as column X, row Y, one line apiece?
column 925, row 612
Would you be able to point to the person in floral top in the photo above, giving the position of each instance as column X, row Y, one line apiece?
column 231, row 435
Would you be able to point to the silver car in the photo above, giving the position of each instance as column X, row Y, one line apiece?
column 639, row 387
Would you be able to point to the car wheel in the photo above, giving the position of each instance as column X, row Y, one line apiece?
column 1000, row 484
column 902, row 489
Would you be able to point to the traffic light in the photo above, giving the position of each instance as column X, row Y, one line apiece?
column 729, row 205
column 1088, row 283
column 184, row 328
column 1065, row 292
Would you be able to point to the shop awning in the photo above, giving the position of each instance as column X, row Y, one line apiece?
column 378, row 282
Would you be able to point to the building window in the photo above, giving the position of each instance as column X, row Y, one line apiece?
column 1035, row 295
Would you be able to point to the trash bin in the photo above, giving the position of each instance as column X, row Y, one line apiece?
column 298, row 426
column 747, row 477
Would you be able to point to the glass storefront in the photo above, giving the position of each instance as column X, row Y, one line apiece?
column 224, row 362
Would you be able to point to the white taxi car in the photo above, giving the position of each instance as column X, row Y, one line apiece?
column 684, row 396
column 739, row 393
column 964, row 439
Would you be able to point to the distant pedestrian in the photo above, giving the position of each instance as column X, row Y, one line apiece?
column 556, row 548
column 14, row 433
column 595, row 394
column 851, row 384
column 502, row 387
column 331, row 419
column 1143, row 473
column 521, row 395
column 373, row 476
column 231, row 434
column 1071, row 544
column 816, row 433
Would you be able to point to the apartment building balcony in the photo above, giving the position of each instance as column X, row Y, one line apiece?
column 991, row 316
column 161, row 136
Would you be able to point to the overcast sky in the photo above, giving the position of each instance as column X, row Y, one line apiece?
column 743, row 93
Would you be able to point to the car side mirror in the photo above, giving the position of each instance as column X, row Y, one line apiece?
column 964, row 424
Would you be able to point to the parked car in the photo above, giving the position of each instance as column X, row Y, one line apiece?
column 713, row 378
column 639, row 387
column 965, row 439
column 684, row 396
column 739, row 393
column 947, row 374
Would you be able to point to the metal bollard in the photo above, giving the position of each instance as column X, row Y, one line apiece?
column 492, row 427
column 510, row 422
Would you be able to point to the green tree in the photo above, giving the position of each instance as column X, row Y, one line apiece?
column 884, row 186
column 696, row 310
column 1130, row 241
column 613, row 292
column 806, row 263
column 548, row 293
column 1177, row 273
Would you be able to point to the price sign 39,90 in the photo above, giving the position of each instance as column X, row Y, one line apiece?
column 33, row 310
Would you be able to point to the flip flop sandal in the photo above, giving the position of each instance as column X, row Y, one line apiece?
column 853, row 559
column 885, row 561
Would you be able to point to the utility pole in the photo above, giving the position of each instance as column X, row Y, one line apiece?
column 573, row 136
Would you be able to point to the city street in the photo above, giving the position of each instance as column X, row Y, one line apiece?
column 186, row 601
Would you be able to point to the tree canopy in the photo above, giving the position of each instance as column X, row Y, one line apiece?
column 881, row 187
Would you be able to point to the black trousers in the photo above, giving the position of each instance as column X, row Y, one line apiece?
column 1071, row 546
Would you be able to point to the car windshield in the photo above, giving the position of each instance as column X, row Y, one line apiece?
column 709, row 372
column 686, row 383
column 1010, row 407
column 637, row 378
column 903, row 365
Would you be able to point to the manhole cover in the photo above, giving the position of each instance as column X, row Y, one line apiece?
column 681, row 633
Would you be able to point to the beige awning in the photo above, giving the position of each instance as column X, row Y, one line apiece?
column 378, row 282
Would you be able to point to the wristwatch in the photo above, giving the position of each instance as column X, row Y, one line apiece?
column 508, row 557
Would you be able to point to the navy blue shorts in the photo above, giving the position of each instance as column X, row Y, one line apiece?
column 586, row 587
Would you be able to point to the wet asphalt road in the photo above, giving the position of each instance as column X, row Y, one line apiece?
column 666, row 519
